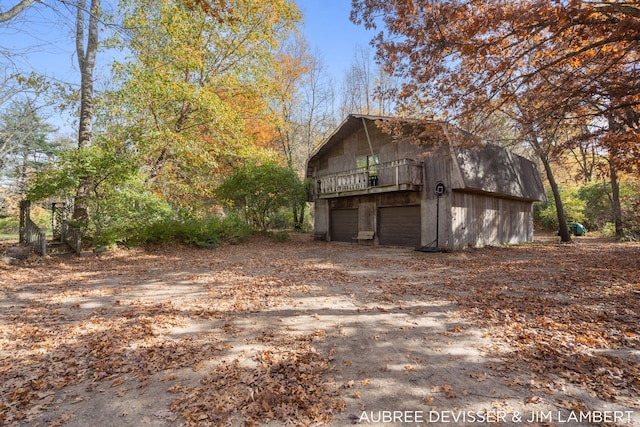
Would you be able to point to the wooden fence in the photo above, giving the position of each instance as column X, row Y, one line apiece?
column 30, row 233
column 71, row 236
column 33, row 236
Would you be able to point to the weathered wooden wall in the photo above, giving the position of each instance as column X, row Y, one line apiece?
column 480, row 220
column 341, row 152
column 321, row 219
column 488, row 191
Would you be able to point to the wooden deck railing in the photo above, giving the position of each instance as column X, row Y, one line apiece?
column 71, row 236
column 392, row 174
column 32, row 235
column 35, row 237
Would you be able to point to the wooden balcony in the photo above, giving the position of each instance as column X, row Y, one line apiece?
column 398, row 175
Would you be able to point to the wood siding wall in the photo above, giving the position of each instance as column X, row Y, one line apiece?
column 342, row 155
column 480, row 220
column 481, row 205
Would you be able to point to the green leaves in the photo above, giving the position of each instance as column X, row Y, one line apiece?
column 259, row 190
column 193, row 94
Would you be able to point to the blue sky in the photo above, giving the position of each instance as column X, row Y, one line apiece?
column 330, row 33
column 47, row 40
column 41, row 40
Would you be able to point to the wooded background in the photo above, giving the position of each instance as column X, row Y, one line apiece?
column 201, row 93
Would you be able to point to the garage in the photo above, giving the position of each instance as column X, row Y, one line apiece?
column 399, row 226
column 344, row 224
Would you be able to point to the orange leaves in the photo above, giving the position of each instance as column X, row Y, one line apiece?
column 465, row 56
column 162, row 322
column 286, row 385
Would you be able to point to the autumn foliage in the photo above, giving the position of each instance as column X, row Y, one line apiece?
column 311, row 332
column 465, row 57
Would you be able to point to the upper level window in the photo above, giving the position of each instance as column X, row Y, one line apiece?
column 370, row 164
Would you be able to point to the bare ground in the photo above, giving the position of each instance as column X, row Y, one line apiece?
column 311, row 333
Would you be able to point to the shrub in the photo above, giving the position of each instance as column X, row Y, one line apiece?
column 281, row 236
column 597, row 207
column 9, row 225
column 206, row 232
column 259, row 191
column 546, row 215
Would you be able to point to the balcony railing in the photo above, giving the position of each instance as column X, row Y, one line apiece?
column 397, row 175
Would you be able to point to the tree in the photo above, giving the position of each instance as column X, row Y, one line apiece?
column 86, row 53
column 543, row 140
column 24, row 142
column 193, row 95
column 258, row 191
column 468, row 52
column 119, row 202
column 366, row 86
column 317, row 113
column 15, row 10
column 468, row 57
column 295, row 66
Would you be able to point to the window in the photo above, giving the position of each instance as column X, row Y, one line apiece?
column 370, row 164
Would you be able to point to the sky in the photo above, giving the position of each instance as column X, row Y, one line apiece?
column 330, row 33
column 41, row 40
column 46, row 40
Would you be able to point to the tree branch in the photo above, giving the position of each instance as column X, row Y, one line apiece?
column 16, row 10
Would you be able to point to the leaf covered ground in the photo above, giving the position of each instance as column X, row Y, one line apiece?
column 312, row 333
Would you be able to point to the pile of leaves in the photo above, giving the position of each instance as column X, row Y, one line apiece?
column 64, row 326
column 556, row 315
column 286, row 384
column 555, row 312
column 41, row 358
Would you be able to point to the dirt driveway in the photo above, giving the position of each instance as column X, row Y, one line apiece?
column 312, row 333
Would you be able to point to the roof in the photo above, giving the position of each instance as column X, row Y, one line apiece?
column 354, row 121
column 348, row 125
column 486, row 169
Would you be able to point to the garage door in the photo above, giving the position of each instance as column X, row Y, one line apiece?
column 399, row 226
column 344, row 224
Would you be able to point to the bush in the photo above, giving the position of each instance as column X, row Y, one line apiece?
column 546, row 215
column 590, row 205
column 597, row 207
column 205, row 232
column 281, row 236
column 9, row 225
column 120, row 215
column 608, row 230
column 259, row 191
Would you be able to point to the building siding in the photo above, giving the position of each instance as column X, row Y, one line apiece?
column 488, row 198
column 480, row 220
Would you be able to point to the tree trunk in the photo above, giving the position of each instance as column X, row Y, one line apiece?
column 616, row 207
column 614, row 155
column 86, row 62
column 562, row 219
column 300, row 225
column 294, row 211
